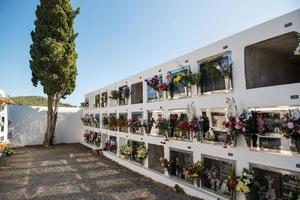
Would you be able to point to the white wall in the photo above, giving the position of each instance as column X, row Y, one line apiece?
column 3, row 113
column 29, row 125
column 245, row 98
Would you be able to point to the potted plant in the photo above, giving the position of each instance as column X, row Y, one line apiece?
column 105, row 121
column 232, row 183
column 162, row 125
column 196, row 171
column 126, row 151
column 115, row 95
column 113, row 123
column 165, row 164
column 247, row 185
column 173, row 123
column 235, row 126
column 141, row 153
column 124, row 93
column 225, row 69
column 290, row 128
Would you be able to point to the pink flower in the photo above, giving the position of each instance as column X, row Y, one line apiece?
column 290, row 125
column 239, row 125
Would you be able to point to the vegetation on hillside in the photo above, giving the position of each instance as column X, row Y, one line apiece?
column 35, row 101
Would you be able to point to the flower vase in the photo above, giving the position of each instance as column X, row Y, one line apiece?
column 197, row 182
column 297, row 144
column 249, row 196
column 234, row 139
column 254, row 140
column 126, row 101
column 248, row 140
column 232, row 194
column 166, row 171
column 195, row 89
column 228, row 85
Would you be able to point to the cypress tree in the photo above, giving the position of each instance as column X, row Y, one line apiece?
column 53, row 56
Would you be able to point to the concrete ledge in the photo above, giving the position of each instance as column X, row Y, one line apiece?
column 161, row 178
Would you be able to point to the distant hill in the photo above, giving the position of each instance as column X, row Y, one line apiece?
column 35, row 101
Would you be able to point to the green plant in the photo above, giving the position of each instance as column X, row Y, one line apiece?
column 126, row 150
column 53, row 56
column 196, row 78
column 199, row 169
column 178, row 189
column 105, row 121
column 115, row 95
column 141, row 152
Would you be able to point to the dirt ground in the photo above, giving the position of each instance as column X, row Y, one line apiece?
column 68, row 172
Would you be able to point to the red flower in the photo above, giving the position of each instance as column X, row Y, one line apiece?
column 232, row 184
column 174, row 117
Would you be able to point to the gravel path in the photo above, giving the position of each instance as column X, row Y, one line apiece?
column 67, row 172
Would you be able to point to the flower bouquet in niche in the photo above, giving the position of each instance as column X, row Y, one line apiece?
column 232, row 182
column 165, row 164
column 196, row 171
column 141, row 153
column 126, row 151
column 135, row 126
column 290, row 127
column 235, row 126
column 173, row 124
column 225, row 68
column 86, row 137
column 162, row 125
column 124, row 93
column 247, row 184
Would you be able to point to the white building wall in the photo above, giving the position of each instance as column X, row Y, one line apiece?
column 28, row 124
column 3, row 115
column 259, row 97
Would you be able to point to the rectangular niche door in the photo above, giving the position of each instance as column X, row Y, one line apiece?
column 154, row 153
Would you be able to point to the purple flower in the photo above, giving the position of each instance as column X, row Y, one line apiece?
column 290, row 125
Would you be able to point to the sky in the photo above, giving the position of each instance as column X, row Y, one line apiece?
column 118, row 38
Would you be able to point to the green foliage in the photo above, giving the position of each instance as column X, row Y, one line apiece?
column 178, row 189
column 141, row 152
column 35, row 101
column 53, row 55
column 199, row 169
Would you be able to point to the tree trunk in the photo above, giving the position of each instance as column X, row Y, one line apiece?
column 51, row 120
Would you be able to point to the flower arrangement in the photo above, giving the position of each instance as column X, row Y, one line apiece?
column 196, row 170
column 104, row 99
column 5, row 150
column 124, row 92
column 115, row 95
column 164, row 163
column 232, row 182
column 162, row 125
column 225, row 68
column 112, row 122
column 86, row 137
column 173, row 121
column 122, row 123
column 105, row 121
column 6, row 101
column 194, row 124
column 246, row 182
column 290, row 126
column 141, row 152
column 147, row 124
column 178, row 189
column 156, row 83
column 134, row 124
column 126, row 150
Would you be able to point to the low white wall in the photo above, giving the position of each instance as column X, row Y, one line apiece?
column 28, row 124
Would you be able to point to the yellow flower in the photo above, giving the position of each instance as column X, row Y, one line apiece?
column 241, row 187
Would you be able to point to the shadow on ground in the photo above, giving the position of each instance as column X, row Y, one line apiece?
column 67, row 172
